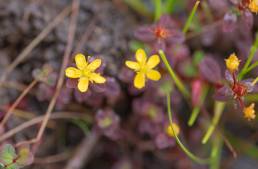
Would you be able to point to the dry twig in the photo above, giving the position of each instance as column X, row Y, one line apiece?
column 82, row 153
column 71, row 33
column 59, row 18
column 16, row 103
column 57, row 115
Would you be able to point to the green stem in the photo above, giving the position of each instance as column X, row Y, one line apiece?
column 190, row 18
column 194, row 115
column 169, row 6
column 255, row 81
column 158, row 9
column 250, row 58
column 216, row 152
column 251, row 67
column 139, row 7
column 218, row 110
column 181, row 145
column 207, row 11
column 197, row 108
column 174, row 76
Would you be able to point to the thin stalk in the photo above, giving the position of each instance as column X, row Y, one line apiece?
column 251, row 67
column 17, row 102
column 216, row 152
column 169, row 6
column 218, row 110
column 174, row 76
column 39, row 119
column 194, row 115
column 57, row 20
column 190, row 17
column 250, row 58
column 68, row 50
column 197, row 108
column 255, row 81
column 181, row 145
column 207, row 11
column 158, row 9
column 139, row 7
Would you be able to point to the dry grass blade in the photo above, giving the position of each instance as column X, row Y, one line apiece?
column 68, row 50
column 58, row 115
column 16, row 103
column 83, row 151
column 59, row 18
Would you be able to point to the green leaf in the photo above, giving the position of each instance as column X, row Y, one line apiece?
column 190, row 70
column 1, row 166
column 191, row 17
column 7, row 154
column 198, row 56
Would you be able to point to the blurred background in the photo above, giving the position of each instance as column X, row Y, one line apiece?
column 115, row 126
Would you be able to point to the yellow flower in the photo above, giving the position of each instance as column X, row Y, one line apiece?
column 170, row 132
column 249, row 112
column 144, row 68
column 85, row 72
column 106, row 122
column 232, row 63
column 253, row 6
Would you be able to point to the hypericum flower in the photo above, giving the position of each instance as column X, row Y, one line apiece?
column 85, row 72
column 162, row 33
column 232, row 63
column 144, row 68
column 170, row 132
column 249, row 112
column 236, row 89
column 253, row 6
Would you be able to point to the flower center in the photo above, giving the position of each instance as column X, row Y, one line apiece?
column 86, row 73
column 239, row 89
column 106, row 122
column 161, row 32
column 144, row 68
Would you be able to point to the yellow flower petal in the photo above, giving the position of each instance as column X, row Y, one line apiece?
column 97, row 78
column 94, row 64
column 72, row 72
column 253, row 6
column 249, row 112
column 139, row 80
column 232, row 63
column 153, row 75
column 80, row 61
column 83, row 84
column 132, row 65
column 153, row 61
column 141, row 56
